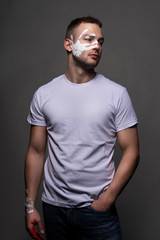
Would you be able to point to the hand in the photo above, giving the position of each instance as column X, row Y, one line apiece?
column 35, row 234
column 34, row 218
column 98, row 205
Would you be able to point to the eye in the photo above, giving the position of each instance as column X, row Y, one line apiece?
column 88, row 39
column 100, row 43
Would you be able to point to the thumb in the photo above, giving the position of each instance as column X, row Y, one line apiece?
column 40, row 227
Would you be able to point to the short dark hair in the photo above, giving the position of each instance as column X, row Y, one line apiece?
column 77, row 21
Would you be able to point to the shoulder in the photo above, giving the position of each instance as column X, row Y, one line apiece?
column 109, row 85
column 50, row 86
column 53, row 83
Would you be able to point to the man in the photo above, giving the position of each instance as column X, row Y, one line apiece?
column 80, row 114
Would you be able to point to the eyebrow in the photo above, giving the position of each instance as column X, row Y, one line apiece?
column 92, row 35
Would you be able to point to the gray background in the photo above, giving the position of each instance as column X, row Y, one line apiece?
column 32, row 53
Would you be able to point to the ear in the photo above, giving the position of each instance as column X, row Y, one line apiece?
column 68, row 44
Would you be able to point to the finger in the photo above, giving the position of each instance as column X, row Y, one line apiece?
column 34, row 234
column 32, row 231
column 30, row 226
column 40, row 227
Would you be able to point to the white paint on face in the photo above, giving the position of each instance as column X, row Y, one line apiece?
column 90, row 35
column 78, row 48
column 83, row 33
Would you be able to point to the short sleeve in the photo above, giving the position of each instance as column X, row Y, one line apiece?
column 125, row 116
column 35, row 116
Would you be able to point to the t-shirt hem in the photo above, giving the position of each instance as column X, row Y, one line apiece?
column 66, row 205
column 125, row 126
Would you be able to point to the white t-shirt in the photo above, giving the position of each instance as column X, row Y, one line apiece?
column 82, row 121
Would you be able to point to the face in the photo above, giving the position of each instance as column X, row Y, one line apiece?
column 87, row 43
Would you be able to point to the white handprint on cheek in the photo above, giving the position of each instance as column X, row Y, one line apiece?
column 78, row 48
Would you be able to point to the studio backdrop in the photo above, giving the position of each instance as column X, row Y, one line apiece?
column 32, row 54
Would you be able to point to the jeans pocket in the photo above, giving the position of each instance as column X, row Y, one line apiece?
column 99, row 212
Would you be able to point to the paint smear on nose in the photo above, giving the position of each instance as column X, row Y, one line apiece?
column 78, row 48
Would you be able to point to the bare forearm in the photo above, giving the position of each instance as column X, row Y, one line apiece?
column 123, row 174
column 33, row 172
column 125, row 170
column 34, row 164
column 129, row 144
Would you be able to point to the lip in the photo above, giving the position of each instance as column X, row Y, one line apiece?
column 94, row 55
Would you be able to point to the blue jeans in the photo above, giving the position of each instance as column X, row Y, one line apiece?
column 80, row 223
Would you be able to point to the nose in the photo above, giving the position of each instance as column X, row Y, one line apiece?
column 96, row 45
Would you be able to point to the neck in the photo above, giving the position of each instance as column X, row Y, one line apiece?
column 78, row 74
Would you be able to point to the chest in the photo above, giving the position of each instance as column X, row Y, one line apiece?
column 79, row 106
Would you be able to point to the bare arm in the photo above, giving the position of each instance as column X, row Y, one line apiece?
column 128, row 141
column 34, row 164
